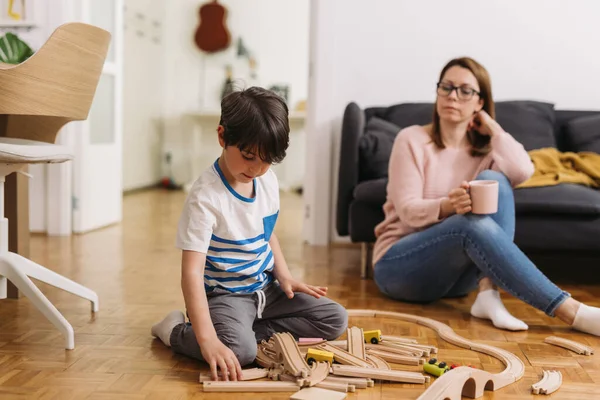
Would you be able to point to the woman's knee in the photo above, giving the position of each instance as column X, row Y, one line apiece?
column 488, row 174
column 402, row 290
column 505, row 189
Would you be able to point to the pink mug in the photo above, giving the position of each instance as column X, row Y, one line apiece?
column 484, row 197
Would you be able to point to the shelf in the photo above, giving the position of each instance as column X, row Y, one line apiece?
column 17, row 24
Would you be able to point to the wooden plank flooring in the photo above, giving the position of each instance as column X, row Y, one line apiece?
column 134, row 267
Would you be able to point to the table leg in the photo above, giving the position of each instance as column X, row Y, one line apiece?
column 16, row 209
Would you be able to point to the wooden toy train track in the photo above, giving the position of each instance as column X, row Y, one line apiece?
column 361, row 364
column 460, row 381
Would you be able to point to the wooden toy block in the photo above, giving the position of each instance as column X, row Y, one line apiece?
column 572, row 345
column 317, row 393
column 261, row 386
column 551, row 381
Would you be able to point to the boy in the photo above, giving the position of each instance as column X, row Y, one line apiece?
column 231, row 257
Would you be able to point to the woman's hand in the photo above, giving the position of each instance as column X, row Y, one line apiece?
column 460, row 199
column 217, row 355
column 290, row 285
column 484, row 124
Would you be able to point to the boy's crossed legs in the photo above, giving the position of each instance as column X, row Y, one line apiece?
column 234, row 317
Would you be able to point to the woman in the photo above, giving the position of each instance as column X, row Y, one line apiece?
column 429, row 245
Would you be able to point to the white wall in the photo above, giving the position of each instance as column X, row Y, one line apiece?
column 275, row 31
column 390, row 51
column 143, row 91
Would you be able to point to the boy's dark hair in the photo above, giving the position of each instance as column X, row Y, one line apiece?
column 256, row 120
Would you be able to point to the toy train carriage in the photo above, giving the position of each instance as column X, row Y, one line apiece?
column 314, row 355
column 435, row 368
column 372, row 336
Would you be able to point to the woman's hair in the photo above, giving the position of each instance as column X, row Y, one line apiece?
column 256, row 120
column 480, row 143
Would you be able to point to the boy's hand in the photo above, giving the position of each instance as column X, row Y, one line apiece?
column 290, row 285
column 216, row 354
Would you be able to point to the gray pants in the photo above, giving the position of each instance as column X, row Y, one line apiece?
column 234, row 317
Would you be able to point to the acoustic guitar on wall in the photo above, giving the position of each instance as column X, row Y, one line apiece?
column 212, row 34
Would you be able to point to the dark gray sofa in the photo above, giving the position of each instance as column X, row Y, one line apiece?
column 554, row 225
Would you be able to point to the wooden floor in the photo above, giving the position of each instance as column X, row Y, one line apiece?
column 134, row 267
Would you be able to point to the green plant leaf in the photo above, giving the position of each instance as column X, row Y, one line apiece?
column 13, row 50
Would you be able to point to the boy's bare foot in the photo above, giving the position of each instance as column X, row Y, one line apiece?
column 163, row 329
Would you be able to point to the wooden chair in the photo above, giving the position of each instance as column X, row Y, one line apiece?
column 37, row 97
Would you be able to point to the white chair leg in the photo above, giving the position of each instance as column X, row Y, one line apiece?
column 3, row 288
column 25, row 285
column 50, row 277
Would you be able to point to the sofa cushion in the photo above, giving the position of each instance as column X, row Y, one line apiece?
column 531, row 123
column 375, row 146
column 550, row 233
column 564, row 198
column 408, row 114
column 583, row 133
column 372, row 192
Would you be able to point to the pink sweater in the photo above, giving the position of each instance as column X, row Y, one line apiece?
column 421, row 175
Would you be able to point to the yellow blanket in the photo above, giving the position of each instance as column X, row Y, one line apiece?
column 553, row 167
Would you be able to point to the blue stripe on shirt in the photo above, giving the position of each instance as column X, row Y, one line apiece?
column 212, row 268
column 255, row 286
column 258, row 250
column 238, row 242
column 262, row 268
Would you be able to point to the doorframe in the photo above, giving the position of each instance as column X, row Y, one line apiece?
column 320, row 124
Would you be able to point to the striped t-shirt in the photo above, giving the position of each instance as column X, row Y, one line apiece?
column 233, row 231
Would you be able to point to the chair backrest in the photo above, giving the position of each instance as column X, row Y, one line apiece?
column 55, row 85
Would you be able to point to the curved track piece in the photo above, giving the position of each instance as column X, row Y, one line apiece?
column 378, row 362
column 343, row 357
column 550, row 383
column 463, row 379
column 290, row 355
column 572, row 345
column 318, row 373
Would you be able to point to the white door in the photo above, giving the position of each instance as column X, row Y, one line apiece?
column 97, row 167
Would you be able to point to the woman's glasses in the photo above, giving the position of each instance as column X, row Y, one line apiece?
column 464, row 93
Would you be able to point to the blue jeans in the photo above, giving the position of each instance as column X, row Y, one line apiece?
column 449, row 258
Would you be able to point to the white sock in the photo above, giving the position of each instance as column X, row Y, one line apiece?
column 587, row 320
column 163, row 329
column 488, row 305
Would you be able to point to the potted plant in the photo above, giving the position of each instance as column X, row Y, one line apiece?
column 13, row 50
